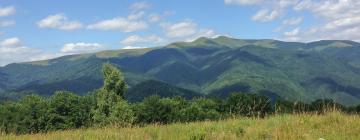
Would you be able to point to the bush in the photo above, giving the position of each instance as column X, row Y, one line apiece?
column 200, row 109
column 67, row 110
column 121, row 114
column 25, row 116
column 156, row 110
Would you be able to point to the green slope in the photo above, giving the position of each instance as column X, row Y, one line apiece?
column 152, row 87
column 290, row 70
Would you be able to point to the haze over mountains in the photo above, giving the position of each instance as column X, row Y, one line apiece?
column 216, row 67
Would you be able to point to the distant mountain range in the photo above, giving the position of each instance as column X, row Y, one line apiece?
column 216, row 67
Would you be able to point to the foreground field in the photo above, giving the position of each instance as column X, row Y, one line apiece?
column 332, row 126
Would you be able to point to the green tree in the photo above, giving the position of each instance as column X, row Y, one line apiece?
column 11, row 113
column 201, row 109
column 66, row 110
column 110, row 98
column 35, row 108
column 159, row 110
column 113, row 80
column 121, row 114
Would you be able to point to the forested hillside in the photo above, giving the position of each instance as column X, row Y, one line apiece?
column 288, row 70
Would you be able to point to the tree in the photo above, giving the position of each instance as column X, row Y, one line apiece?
column 201, row 109
column 11, row 113
column 25, row 116
column 121, row 114
column 159, row 110
column 113, row 80
column 110, row 98
column 66, row 110
column 35, row 108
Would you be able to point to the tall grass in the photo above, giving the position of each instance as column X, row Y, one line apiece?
column 329, row 126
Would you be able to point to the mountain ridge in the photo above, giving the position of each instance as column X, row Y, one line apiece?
column 290, row 70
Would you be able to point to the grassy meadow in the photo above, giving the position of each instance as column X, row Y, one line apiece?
column 331, row 126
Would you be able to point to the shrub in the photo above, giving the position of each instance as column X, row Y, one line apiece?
column 201, row 109
column 66, row 110
column 121, row 114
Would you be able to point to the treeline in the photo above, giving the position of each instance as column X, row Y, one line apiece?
column 107, row 106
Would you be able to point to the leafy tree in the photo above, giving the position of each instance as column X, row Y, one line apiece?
column 159, row 110
column 66, row 110
column 121, row 114
column 11, row 113
column 110, row 97
column 201, row 109
column 113, row 80
column 35, row 108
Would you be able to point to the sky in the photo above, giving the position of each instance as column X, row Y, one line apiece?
column 44, row 29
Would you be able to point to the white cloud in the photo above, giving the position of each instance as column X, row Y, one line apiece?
column 243, row 2
column 289, row 22
column 269, row 9
column 180, row 29
column 186, row 30
column 81, row 47
column 12, row 51
column 7, row 11
column 142, row 40
column 340, row 19
column 59, row 21
column 133, row 22
column 133, row 47
column 9, row 42
column 292, row 21
column 293, row 32
column 266, row 15
column 292, row 35
column 140, row 6
column 209, row 33
column 7, row 23
column 337, row 19
column 154, row 18
column 119, row 23
column 136, row 16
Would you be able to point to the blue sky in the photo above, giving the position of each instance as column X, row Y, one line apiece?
column 42, row 29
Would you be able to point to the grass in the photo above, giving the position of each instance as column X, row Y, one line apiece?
column 331, row 126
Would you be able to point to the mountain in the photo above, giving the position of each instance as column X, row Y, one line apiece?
column 218, row 66
column 152, row 87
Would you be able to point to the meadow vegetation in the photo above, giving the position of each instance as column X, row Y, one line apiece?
column 329, row 126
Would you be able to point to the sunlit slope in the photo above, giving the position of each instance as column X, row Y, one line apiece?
column 289, row 70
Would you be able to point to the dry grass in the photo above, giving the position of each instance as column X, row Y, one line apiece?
column 332, row 126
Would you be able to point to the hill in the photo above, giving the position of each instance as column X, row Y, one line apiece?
column 300, row 126
column 288, row 70
column 152, row 87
